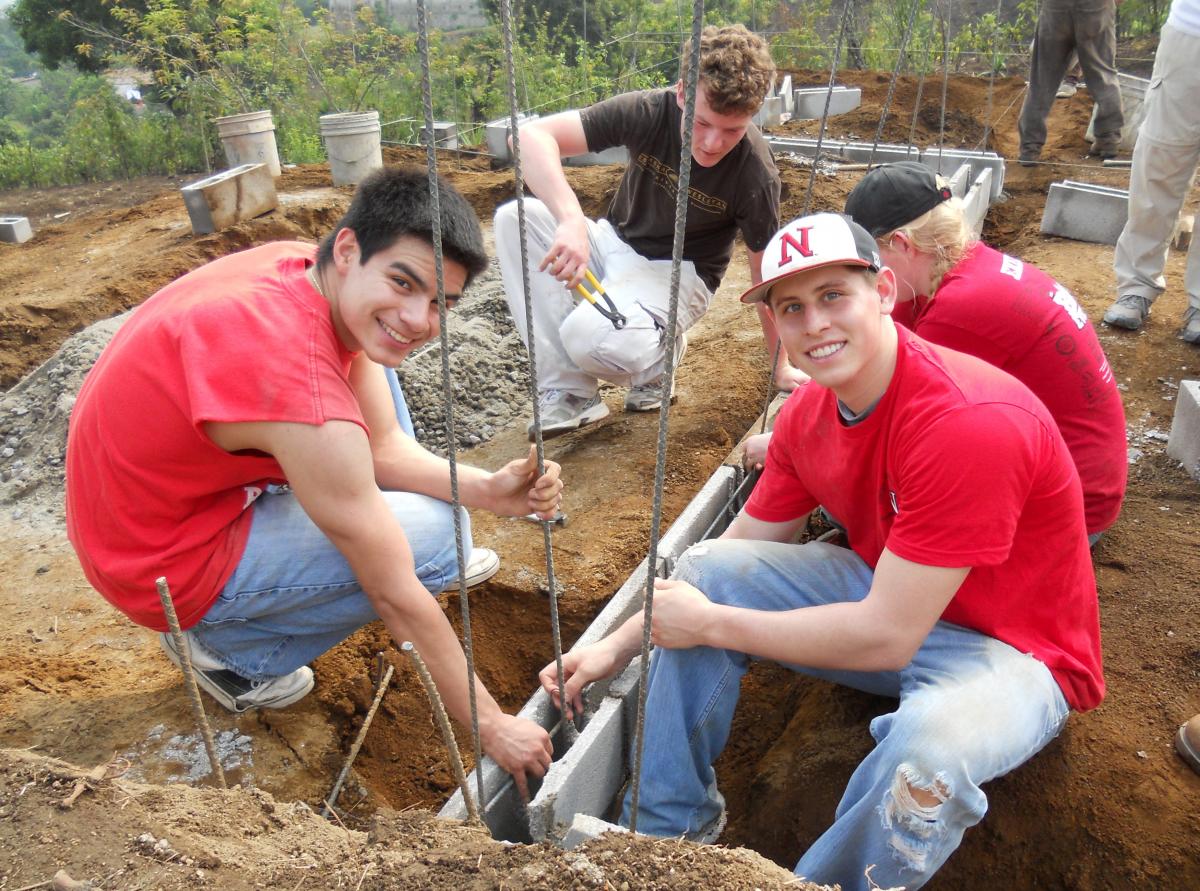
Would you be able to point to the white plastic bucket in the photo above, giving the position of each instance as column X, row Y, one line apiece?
column 352, row 144
column 249, row 139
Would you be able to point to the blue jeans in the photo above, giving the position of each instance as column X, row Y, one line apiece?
column 293, row 596
column 971, row 709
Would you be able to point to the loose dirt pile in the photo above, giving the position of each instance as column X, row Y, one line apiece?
column 1105, row 806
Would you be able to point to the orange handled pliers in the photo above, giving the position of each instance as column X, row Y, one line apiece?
column 608, row 309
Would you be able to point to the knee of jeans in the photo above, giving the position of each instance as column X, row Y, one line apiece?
column 706, row 563
column 913, row 813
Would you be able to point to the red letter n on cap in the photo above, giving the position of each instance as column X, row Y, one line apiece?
column 789, row 241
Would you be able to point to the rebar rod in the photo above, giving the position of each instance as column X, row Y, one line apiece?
column 837, row 57
column 358, row 741
column 887, row 102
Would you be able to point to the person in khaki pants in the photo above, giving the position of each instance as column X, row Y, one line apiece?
column 1164, row 163
column 1087, row 27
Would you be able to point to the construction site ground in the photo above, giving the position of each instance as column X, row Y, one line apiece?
column 1107, row 805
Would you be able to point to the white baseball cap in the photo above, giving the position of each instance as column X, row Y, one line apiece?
column 820, row 239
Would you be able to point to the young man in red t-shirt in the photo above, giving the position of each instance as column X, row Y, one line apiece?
column 967, row 591
column 240, row 437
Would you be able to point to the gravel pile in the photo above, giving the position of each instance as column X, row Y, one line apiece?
column 487, row 361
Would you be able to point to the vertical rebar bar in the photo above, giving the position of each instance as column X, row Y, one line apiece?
column 358, row 741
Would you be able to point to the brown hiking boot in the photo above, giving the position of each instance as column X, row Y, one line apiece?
column 1105, row 149
column 1187, row 743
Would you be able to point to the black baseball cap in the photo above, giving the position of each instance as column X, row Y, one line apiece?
column 894, row 194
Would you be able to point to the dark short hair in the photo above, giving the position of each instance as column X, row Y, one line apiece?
column 394, row 202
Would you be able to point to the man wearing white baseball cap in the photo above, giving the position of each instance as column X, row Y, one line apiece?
column 967, row 590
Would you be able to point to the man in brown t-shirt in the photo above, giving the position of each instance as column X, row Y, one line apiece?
column 734, row 187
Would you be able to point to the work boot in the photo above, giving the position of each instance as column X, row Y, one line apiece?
column 1128, row 311
column 562, row 412
column 1029, row 157
column 1187, row 743
column 1105, row 149
column 1067, row 88
column 482, row 564
column 236, row 693
column 648, row 396
column 1190, row 332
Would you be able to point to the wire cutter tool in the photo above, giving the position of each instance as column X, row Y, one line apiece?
column 608, row 309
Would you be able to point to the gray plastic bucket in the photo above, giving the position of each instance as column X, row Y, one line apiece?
column 352, row 144
column 249, row 139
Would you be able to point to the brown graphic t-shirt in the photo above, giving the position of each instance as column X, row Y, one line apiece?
column 740, row 192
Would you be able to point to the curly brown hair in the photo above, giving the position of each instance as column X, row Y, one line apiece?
column 736, row 68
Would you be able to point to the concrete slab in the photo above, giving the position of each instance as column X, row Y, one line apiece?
column 977, row 201
column 809, row 102
column 770, row 114
column 1133, row 94
column 787, row 93
column 1184, row 442
column 495, row 134
column 228, row 197
column 15, row 230
column 884, row 153
column 961, row 181
column 585, row 828
column 1085, row 212
column 945, row 160
column 830, row 148
column 618, row 154
column 445, row 134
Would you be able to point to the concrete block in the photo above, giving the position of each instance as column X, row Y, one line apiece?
column 961, row 181
column 1184, row 442
column 495, row 134
column 943, row 161
column 616, row 154
column 809, row 102
column 884, row 153
column 585, row 828
column 1085, row 212
column 977, row 201
column 228, row 197
column 770, row 114
column 586, row 779
column 15, row 230
column 830, row 148
column 445, row 134
column 1133, row 94
column 786, row 92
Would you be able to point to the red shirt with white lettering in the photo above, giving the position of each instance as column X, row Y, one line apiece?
column 244, row 338
column 957, row 465
column 1016, row 317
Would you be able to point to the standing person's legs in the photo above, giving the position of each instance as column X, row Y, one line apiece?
column 1048, row 62
column 1164, row 163
column 971, row 709
column 293, row 596
column 1096, row 44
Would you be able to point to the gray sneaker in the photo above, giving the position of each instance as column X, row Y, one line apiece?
column 236, row 693
column 1190, row 332
column 1128, row 311
column 563, row 412
column 648, row 397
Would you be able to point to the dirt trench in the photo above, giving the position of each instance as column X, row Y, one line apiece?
column 1105, row 806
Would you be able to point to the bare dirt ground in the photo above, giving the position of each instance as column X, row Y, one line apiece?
column 1108, row 805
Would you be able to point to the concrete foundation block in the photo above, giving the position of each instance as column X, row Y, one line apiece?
column 1184, row 442
column 770, row 114
column 830, row 148
column 228, row 197
column 884, row 153
column 943, row 161
column 585, row 828
column 495, row 134
column 809, row 102
column 445, row 135
column 1133, row 94
column 961, row 181
column 586, row 779
column 978, row 200
column 787, row 93
column 1085, row 212
column 15, row 230
column 617, row 154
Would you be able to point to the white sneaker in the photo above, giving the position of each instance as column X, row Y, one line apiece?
column 562, row 412
column 481, row 566
column 648, row 396
column 236, row 693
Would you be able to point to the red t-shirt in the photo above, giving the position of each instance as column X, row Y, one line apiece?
column 244, row 338
column 1016, row 317
column 957, row 465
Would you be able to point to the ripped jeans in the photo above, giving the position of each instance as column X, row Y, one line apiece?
column 971, row 709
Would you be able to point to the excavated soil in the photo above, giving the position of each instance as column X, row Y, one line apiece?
column 1108, row 805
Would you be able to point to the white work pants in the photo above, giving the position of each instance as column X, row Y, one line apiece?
column 1164, row 162
column 576, row 346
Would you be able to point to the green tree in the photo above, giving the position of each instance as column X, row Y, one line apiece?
column 49, row 30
